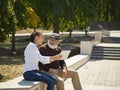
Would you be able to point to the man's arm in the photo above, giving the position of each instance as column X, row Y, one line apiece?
column 64, row 68
column 63, row 64
column 45, row 67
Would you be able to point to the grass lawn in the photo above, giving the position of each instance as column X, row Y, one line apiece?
column 11, row 66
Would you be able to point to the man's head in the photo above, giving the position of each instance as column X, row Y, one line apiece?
column 54, row 40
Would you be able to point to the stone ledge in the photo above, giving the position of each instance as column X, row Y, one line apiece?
column 21, row 84
column 76, row 61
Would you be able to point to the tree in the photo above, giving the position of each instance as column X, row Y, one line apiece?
column 20, row 11
column 27, row 17
column 32, row 19
column 8, row 21
column 106, row 10
column 56, row 12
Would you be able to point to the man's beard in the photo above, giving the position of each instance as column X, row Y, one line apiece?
column 51, row 46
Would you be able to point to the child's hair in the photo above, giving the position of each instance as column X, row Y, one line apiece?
column 32, row 36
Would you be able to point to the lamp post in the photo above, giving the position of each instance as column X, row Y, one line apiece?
column 87, row 30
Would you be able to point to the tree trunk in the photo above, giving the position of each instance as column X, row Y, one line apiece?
column 13, row 43
column 70, row 33
column 34, row 29
column 56, row 24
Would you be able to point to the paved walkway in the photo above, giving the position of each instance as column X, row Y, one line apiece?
column 99, row 75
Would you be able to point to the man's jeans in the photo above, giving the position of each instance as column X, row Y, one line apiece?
column 36, row 75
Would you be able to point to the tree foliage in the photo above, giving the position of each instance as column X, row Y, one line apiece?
column 70, row 13
column 8, row 19
column 20, row 10
column 58, row 15
column 32, row 18
column 106, row 10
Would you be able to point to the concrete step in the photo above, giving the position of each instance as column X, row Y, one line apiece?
column 106, row 52
column 106, row 48
column 110, row 39
column 108, row 58
column 100, row 88
column 111, row 54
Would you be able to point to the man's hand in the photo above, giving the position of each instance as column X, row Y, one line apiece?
column 64, row 72
column 53, row 71
column 58, row 57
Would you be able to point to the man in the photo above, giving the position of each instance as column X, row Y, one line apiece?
column 58, row 68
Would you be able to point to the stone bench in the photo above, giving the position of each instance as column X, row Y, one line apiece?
column 20, row 84
column 76, row 61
